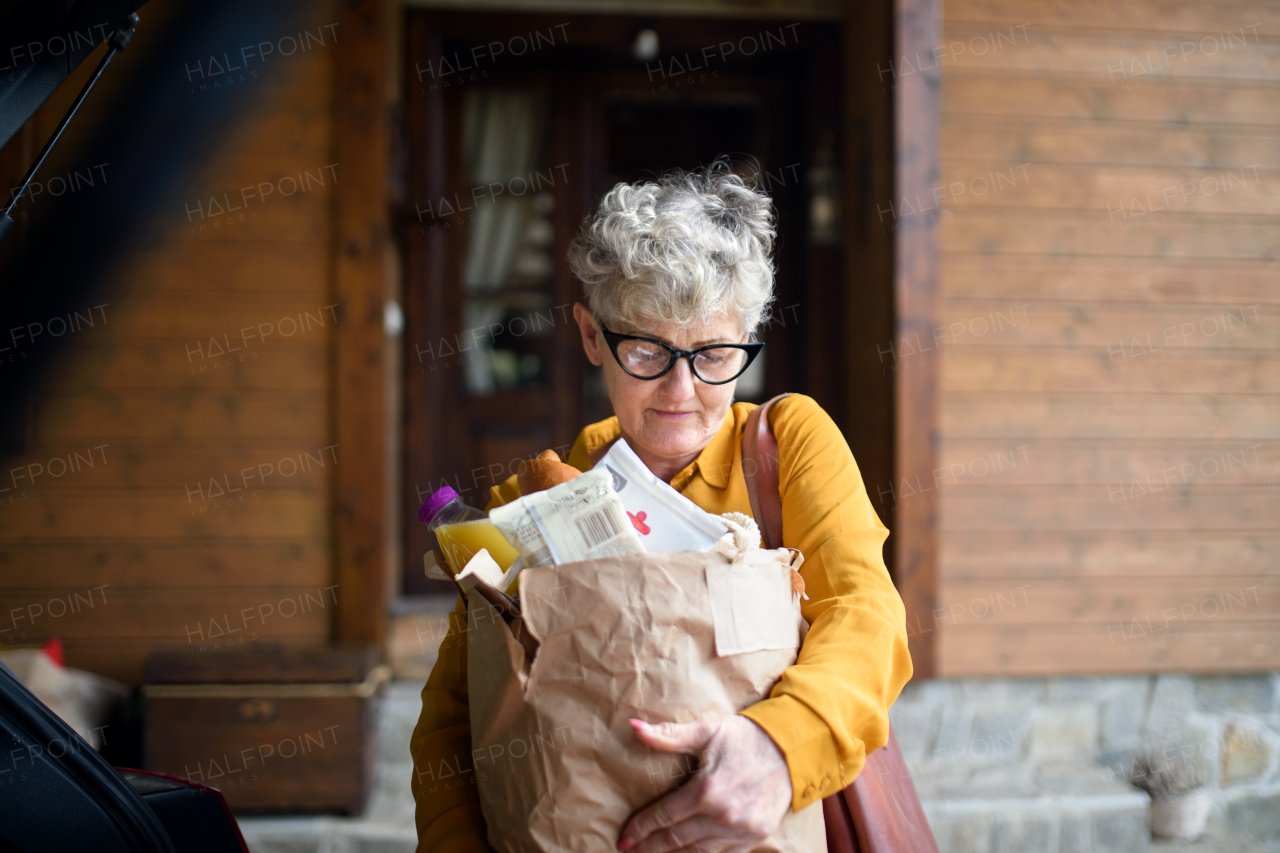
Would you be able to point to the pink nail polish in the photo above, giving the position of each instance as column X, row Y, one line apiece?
column 626, row 844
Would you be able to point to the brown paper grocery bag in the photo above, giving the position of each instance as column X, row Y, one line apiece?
column 557, row 764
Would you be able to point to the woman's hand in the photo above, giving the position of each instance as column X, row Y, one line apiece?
column 736, row 799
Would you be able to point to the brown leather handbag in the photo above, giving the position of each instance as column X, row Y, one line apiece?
column 879, row 812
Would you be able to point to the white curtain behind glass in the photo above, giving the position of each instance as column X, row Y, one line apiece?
column 503, row 135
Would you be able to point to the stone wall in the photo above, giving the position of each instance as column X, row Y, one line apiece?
column 1002, row 763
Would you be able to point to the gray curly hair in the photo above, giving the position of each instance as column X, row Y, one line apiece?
column 685, row 249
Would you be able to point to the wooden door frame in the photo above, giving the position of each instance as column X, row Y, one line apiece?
column 893, row 114
column 917, row 170
column 362, row 526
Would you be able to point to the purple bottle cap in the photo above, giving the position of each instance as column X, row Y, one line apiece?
column 435, row 502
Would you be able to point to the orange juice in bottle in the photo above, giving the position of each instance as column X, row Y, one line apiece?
column 462, row 531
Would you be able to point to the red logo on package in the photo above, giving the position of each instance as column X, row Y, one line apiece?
column 637, row 521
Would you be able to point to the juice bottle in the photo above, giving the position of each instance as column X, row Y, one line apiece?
column 462, row 531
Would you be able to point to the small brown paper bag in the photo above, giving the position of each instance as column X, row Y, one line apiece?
column 557, row 765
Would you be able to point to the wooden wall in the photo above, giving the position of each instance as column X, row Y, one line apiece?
column 166, row 555
column 1102, row 330
column 1109, row 348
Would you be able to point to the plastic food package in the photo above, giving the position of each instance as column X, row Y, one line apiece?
column 581, row 519
column 665, row 519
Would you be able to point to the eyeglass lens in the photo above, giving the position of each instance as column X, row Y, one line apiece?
column 645, row 359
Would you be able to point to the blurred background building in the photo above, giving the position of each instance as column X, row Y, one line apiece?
column 299, row 264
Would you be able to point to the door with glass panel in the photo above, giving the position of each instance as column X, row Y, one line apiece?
column 505, row 161
column 494, row 310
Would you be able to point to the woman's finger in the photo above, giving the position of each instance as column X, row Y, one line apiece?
column 689, row 738
column 698, row 832
column 665, row 813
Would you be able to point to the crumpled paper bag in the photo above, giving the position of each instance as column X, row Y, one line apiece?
column 557, row 765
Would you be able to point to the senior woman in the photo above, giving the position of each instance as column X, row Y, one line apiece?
column 670, row 269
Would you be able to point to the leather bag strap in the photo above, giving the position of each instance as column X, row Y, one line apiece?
column 760, row 469
column 880, row 812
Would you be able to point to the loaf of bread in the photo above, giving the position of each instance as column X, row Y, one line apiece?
column 543, row 472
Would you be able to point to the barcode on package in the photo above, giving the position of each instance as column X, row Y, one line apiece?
column 597, row 528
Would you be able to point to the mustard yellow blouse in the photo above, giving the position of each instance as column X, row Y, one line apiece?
column 829, row 709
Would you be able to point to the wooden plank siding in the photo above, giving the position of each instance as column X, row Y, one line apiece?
column 203, row 397
column 1108, row 338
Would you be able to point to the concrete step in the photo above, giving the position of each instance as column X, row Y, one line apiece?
column 1219, row 837
column 1104, row 824
column 1051, row 808
column 324, row 835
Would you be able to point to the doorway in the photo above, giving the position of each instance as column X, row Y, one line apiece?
column 505, row 160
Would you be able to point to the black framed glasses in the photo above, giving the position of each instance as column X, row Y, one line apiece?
column 646, row 358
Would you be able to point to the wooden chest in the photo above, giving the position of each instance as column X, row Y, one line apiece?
column 275, row 729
